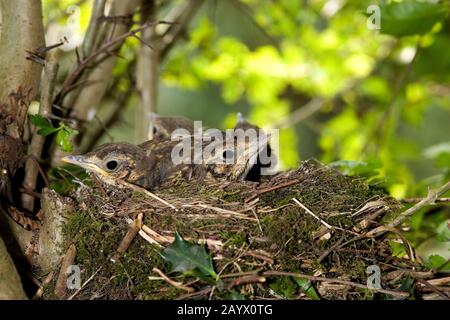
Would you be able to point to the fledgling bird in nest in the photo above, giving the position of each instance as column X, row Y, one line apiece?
column 113, row 162
column 163, row 127
column 151, row 164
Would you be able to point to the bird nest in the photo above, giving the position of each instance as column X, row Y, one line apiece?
column 297, row 235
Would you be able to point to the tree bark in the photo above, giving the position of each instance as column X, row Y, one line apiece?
column 22, row 31
column 10, row 283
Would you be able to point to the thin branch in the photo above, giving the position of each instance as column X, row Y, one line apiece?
column 98, row 11
column 312, row 213
column 102, row 50
column 132, row 232
column 430, row 199
column 401, row 81
column 68, row 260
column 265, row 190
column 335, row 280
column 181, row 15
column 37, row 141
column 415, row 200
column 176, row 284
column 145, row 191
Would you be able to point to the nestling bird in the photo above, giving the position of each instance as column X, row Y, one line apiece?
column 112, row 162
column 163, row 127
column 151, row 164
column 265, row 152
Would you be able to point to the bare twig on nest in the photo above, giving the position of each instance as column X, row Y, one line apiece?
column 246, row 280
column 279, row 186
column 433, row 288
column 67, row 261
column 145, row 191
column 41, row 285
column 132, row 232
column 320, row 220
column 159, row 238
column 335, row 280
column 223, row 211
column 312, row 213
column 176, row 284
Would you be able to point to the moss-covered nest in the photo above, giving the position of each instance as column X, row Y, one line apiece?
column 263, row 243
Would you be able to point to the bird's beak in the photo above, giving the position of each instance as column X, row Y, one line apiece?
column 77, row 160
column 84, row 163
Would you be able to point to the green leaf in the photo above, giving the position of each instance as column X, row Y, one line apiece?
column 64, row 137
column 410, row 17
column 45, row 127
column 40, row 121
column 436, row 261
column 188, row 258
column 307, row 288
column 361, row 168
column 47, row 131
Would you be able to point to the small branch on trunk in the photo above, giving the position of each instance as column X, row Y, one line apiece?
column 37, row 141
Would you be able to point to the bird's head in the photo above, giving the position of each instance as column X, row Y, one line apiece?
column 112, row 162
column 237, row 158
column 163, row 127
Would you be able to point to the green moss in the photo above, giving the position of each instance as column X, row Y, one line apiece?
column 233, row 239
column 284, row 286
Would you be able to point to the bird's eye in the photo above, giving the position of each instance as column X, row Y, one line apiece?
column 228, row 154
column 111, row 165
column 154, row 129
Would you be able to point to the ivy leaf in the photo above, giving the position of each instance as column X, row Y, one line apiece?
column 188, row 258
column 307, row 288
column 45, row 127
column 410, row 17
